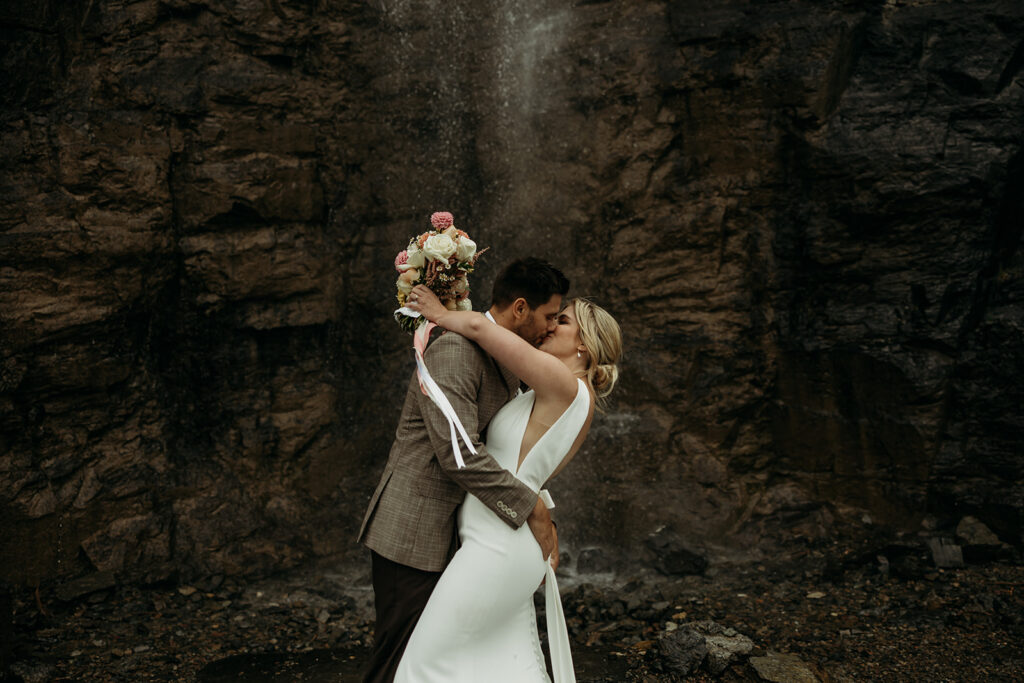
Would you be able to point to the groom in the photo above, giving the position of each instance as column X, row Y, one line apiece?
column 410, row 523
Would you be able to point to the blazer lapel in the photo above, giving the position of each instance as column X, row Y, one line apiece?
column 511, row 381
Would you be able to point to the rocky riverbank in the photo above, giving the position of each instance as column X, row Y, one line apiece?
column 875, row 609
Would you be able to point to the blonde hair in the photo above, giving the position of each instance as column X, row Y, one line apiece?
column 602, row 338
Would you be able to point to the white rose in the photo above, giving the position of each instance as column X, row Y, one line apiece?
column 465, row 305
column 452, row 232
column 416, row 258
column 439, row 247
column 465, row 249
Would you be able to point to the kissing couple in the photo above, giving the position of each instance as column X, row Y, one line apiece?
column 458, row 551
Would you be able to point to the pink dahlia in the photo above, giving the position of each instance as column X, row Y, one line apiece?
column 441, row 220
column 401, row 260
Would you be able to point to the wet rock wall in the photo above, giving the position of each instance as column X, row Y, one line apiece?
column 807, row 217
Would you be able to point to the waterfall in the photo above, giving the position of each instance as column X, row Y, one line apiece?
column 485, row 69
column 529, row 33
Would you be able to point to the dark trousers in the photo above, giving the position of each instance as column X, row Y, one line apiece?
column 399, row 595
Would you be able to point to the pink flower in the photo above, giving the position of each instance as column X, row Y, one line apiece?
column 401, row 260
column 441, row 220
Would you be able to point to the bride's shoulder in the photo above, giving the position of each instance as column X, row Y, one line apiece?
column 585, row 392
column 560, row 401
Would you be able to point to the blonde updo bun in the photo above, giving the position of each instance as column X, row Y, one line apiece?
column 603, row 378
column 602, row 338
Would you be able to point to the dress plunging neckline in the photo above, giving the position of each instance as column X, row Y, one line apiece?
column 521, row 459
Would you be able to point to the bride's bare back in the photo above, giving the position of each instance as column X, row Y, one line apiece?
column 546, row 413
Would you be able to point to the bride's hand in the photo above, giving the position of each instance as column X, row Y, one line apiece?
column 422, row 300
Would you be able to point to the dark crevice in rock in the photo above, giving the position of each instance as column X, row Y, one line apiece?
column 240, row 215
column 1012, row 69
column 182, row 9
column 842, row 65
column 962, row 83
column 8, row 24
column 280, row 61
column 1007, row 229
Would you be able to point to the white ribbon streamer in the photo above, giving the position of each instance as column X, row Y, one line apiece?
column 407, row 312
column 434, row 393
column 558, row 632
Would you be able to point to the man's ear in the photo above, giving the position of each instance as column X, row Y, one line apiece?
column 520, row 309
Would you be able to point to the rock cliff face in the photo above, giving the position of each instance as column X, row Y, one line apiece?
column 806, row 215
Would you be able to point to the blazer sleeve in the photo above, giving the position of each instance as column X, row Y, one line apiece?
column 457, row 365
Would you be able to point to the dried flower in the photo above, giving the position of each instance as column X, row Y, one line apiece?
column 401, row 260
column 441, row 220
column 407, row 280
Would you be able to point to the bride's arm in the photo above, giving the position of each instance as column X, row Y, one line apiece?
column 544, row 373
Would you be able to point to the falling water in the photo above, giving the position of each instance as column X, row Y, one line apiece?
column 528, row 34
column 487, row 72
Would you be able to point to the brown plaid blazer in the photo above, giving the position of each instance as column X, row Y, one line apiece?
column 411, row 516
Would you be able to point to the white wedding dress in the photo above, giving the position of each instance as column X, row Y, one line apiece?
column 479, row 624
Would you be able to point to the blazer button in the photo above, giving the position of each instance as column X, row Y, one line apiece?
column 513, row 513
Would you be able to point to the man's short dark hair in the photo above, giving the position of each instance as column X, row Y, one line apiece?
column 530, row 278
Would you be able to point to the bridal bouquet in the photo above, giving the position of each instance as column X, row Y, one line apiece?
column 441, row 259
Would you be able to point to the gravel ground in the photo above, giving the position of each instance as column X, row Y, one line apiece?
column 948, row 625
column 872, row 612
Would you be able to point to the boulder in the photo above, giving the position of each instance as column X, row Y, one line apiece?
column 724, row 644
column 945, row 553
column 972, row 531
column 682, row 651
column 783, row 668
column 90, row 583
column 700, row 646
column 672, row 557
column 980, row 544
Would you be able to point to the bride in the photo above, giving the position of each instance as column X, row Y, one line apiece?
column 480, row 624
